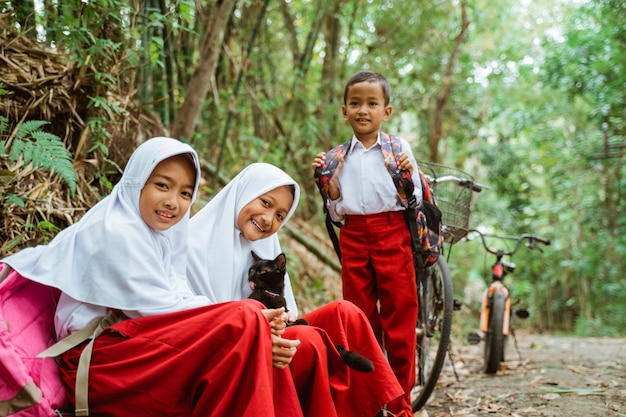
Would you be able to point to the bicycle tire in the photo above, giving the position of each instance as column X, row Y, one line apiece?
column 494, row 341
column 434, row 324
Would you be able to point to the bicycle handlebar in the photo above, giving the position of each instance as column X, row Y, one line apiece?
column 532, row 242
column 463, row 182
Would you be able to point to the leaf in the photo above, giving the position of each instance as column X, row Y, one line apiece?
column 13, row 243
column 28, row 127
column 49, row 226
column 44, row 150
column 578, row 391
column 14, row 199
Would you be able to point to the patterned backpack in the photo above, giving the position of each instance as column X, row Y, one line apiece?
column 424, row 221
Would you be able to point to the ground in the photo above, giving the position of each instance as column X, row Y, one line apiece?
column 556, row 376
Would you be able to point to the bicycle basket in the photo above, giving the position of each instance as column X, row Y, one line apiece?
column 452, row 198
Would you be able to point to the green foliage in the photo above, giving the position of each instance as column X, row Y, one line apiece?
column 14, row 199
column 44, row 150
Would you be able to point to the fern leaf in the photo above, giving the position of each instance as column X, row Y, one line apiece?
column 29, row 127
column 50, row 153
column 44, row 150
column 14, row 199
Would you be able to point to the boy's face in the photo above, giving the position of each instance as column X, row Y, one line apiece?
column 263, row 216
column 166, row 196
column 365, row 109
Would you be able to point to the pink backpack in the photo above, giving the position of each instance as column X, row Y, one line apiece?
column 29, row 386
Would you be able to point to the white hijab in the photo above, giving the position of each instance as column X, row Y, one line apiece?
column 110, row 257
column 218, row 254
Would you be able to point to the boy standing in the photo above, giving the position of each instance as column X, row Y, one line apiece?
column 377, row 271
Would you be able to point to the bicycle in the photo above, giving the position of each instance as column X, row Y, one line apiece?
column 497, row 314
column 452, row 189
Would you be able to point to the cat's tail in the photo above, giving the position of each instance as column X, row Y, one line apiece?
column 355, row 360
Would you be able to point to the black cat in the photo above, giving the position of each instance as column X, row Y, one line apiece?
column 267, row 279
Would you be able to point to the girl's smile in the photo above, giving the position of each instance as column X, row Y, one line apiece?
column 263, row 216
column 168, row 192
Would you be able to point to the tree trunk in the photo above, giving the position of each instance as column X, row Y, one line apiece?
column 330, row 82
column 436, row 131
column 200, row 82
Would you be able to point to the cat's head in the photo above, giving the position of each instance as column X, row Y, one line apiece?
column 268, row 273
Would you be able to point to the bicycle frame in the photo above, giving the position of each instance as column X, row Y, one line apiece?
column 496, row 318
column 498, row 271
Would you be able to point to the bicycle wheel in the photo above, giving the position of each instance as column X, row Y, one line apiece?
column 494, row 341
column 432, row 330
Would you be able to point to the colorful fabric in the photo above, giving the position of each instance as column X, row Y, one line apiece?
column 29, row 386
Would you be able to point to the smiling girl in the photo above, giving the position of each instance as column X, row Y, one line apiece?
column 244, row 217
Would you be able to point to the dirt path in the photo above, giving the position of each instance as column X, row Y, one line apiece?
column 557, row 376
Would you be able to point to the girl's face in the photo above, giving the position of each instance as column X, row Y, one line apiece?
column 167, row 195
column 263, row 216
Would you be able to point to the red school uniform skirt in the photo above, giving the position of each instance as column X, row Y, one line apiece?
column 325, row 384
column 207, row 361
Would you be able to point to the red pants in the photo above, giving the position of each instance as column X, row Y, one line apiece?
column 377, row 266
column 336, row 390
column 209, row 361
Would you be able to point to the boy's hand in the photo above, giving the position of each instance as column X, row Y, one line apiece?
column 283, row 351
column 333, row 186
column 319, row 160
column 404, row 163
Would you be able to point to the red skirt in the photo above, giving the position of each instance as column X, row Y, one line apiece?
column 334, row 389
column 208, row 361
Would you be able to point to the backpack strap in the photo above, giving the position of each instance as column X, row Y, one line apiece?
column 325, row 173
column 89, row 332
column 322, row 180
column 391, row 148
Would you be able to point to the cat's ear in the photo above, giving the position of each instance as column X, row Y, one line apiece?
column 255, row 257
column 281, row 260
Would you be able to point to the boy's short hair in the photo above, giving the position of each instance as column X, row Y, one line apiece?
column 368, row 76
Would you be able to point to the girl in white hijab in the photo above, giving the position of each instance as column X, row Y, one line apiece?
column 173, row 353
column 244, row 217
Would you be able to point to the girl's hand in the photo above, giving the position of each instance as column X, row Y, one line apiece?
column 404, row 163
column 283, row 351
column 278, row 320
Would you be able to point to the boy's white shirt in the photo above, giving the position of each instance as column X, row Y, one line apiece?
column 219, row 256
column 365, row 184
column 111, row 258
